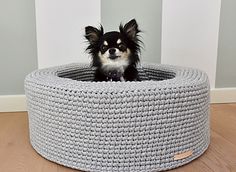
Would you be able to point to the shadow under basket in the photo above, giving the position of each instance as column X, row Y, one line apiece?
column 155, row 124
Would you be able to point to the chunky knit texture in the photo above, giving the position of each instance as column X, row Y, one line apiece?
column 118, row 126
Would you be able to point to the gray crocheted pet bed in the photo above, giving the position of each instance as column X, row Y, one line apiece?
column 157, row 124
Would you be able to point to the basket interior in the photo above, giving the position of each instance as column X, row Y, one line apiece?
column 87, row 74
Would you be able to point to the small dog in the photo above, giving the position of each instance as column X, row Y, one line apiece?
column 114, row 54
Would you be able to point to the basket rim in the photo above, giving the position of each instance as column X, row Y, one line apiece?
column 184, row 78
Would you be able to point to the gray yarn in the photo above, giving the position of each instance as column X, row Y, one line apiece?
column 118, row 126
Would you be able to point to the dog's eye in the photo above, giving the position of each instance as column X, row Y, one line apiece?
column 104, row 48
column 122, row 47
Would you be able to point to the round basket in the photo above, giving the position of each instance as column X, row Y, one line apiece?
column 156, row 124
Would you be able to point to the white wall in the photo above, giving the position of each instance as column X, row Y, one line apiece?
column 190, row 34
column 60, row 30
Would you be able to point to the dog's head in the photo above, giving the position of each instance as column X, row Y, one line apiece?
column 114, row 50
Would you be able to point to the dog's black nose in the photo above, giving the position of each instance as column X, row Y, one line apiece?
column 112, row 50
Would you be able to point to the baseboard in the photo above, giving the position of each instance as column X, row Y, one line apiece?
column 15, row 103
column 12, row 103
column 223, row 95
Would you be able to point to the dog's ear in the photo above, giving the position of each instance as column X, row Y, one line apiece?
column 130, row 29
column 93, row 34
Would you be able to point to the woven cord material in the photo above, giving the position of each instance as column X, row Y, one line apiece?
column 118, row 126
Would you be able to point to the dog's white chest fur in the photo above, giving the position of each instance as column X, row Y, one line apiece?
column 118, row 64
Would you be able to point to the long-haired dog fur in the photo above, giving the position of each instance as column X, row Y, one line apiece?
column 114, row 54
